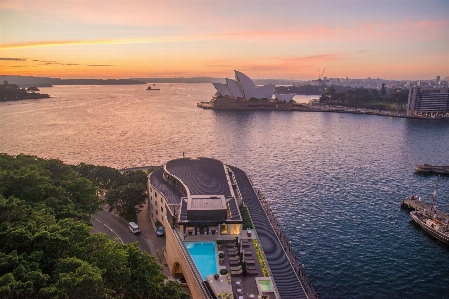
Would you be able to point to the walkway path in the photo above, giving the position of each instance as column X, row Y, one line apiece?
column 284, row 275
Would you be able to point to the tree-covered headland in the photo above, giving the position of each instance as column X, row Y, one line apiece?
column 12, row 92
column 47, row 249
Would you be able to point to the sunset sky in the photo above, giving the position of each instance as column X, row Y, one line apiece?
column 395, row 39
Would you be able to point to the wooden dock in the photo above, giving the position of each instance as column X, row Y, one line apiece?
column 418, row 205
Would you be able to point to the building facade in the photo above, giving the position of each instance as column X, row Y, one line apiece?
column 194, row 199
column 428, row 101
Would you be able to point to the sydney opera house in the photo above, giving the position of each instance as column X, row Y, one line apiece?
column 242, row 92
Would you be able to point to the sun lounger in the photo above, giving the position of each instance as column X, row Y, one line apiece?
column 251, row 272
column 234, row 263
column 251, row 268
column 234, row 258
column 248, row 261
column 248, row 252
column 236, row 272
column 236, row 268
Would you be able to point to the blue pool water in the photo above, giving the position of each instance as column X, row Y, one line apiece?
column 204, row 255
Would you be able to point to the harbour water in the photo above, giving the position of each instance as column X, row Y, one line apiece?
column 334, row 181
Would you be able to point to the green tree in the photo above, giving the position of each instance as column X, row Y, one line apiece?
column 79, row 279
column 47, row 249
column 127, row 199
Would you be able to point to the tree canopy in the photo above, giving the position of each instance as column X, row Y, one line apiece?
column 366, row 98
column 47, row 248
column 126, row 191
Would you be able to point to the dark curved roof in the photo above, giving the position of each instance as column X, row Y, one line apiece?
column 284, row 275
column 203, row 176
column 170, row 193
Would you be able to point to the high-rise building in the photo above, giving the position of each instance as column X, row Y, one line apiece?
column 428, row 101
column 437, row 79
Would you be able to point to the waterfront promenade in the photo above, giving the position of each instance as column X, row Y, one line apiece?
column 288, row 274
column 317, row 108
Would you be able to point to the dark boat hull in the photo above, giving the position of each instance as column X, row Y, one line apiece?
column 444, row 237
column 431, row 169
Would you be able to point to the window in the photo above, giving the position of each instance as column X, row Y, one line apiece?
column 155, row 194
column 161, row 199
column 162, row 209
column 151, row 189
column 155, row 203
column 157, row 213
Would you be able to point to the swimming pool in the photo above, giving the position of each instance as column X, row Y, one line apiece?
column 204, row 254
column 264, row 284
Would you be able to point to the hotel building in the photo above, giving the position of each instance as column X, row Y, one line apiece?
column 200, row 200
column 428, row 101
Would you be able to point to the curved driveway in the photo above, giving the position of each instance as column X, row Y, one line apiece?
column 117, row 228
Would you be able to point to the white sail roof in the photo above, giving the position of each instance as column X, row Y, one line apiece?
column 234, row 87
column 264, row 92
column 223, row 89
column 244, row 88
column 247, row 85
column 287, row 97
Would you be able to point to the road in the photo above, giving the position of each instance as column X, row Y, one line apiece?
column 117, row 228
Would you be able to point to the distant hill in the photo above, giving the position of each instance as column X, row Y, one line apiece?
column 28, row 81
column 183, row 80
column 210, row 80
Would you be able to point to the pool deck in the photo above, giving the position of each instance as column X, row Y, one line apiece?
column 241, row 286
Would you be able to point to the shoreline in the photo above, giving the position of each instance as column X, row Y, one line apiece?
column 303, row 108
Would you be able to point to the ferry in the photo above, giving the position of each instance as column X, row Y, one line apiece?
column 428, row 221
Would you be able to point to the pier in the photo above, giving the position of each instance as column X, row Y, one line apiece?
column 418, row 205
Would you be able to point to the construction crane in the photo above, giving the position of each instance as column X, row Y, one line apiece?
column 320, row 76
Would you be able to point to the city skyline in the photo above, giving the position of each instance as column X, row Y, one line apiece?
column 400, row 40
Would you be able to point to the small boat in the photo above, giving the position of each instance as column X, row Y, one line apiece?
column 431, row 168
column 149, row 88
column 428, row 221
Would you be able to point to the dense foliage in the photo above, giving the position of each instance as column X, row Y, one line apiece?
column 367, row 98
column 126, row 192
column 47, row 250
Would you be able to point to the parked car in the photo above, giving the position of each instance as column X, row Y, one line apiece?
column 160, row 231
column 134, row 228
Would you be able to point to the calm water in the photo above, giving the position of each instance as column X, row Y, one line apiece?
column 334, row 180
